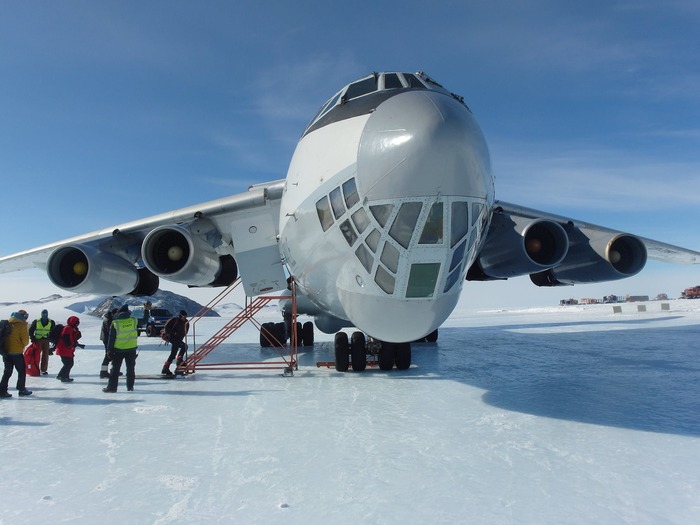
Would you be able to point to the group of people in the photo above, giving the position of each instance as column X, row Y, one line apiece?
column 119, row 335
column 20, row 334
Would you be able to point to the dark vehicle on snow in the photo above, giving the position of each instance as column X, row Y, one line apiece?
column 153, row 323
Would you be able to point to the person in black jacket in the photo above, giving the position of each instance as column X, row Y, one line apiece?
column 104, row 337
column 175, row 331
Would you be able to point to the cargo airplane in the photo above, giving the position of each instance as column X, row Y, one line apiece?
column 388, row 207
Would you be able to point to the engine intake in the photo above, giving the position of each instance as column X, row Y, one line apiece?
column 84, row 269
column 176, row 254
column 517, row 246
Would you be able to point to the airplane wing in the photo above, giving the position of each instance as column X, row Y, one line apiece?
column 556, row 250
column 193, row 245
column 656, row 250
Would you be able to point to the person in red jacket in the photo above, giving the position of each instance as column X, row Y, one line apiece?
column 65, row 348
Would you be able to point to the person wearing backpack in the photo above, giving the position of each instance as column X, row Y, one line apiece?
column 13, row 359
column 175, row 331
column 65, row 348
column 39, row 332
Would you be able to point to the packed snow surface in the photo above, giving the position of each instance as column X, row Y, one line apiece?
column 560, row 415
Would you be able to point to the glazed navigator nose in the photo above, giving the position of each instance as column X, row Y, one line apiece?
column 424, row 173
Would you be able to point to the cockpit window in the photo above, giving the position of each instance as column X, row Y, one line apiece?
column 460, row 221
column 432, row 231
column 451, row 280
column 476, row 212
column 363, row 96
column 413, row 81
column 348, row 232
column 405, row 222
column 326, row 107
column 422, row 279
column 365, row 257
column 350, row 192
column 362, row 87
column 360, row 219
column 324, row 213
column 390, row 257
column 337, row 203
column 458, row 255
column 381, row 212
column 385, row 280
column 392, row 81
column 373, row 239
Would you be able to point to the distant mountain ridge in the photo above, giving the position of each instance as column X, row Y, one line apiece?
column 96, row 305
column 47, row 299
column 161, row 299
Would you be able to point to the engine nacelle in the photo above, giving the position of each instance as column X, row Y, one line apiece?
column 84, row 269
column 595, row 257
column 176, row 254
column 517, row 246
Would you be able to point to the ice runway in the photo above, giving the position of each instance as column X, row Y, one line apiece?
column 530, row 416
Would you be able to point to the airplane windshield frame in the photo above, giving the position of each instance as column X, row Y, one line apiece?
column 372, row 90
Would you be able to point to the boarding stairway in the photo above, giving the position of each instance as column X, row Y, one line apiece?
column 288, row 361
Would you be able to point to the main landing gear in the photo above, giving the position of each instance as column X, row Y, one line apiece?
column 354, row 352
column 270, row 332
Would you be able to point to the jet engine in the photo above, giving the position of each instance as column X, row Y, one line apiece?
column 515, row 246
column 177, row 254
column 84, row 269
column 594, row 257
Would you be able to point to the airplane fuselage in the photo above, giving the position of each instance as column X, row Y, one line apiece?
column 386, row 204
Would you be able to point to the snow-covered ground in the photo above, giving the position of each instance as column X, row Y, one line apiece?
column 550, row 415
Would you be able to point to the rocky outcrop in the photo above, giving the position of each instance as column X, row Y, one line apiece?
column 161, row 299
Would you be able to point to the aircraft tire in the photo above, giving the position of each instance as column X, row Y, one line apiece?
column 342, row 350
column 280, row 333
column 432, row 337
column 266, row 328
column 387, row 355
column 358, row 351
column 403, row 356
column 308, row 333
column 299, row 333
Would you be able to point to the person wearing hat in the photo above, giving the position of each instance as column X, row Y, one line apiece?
column 13, row 359
column 39, row 332
column 175, row 331
column 104, row 337
column 122, row 345
column 65, row 348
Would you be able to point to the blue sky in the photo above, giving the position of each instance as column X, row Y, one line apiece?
column 113, row 111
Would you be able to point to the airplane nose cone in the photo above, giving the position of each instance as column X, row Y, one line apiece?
column 423, row 143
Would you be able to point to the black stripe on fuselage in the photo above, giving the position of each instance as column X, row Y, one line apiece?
column 363, row 105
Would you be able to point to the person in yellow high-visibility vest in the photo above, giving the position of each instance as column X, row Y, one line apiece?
column 39, row 332
column 122, row 345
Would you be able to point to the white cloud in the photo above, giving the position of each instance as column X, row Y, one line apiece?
column 602, row 178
